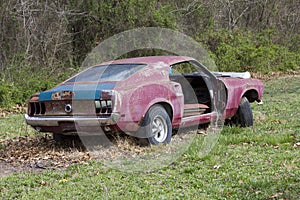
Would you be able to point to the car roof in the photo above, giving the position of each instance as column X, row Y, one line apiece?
column 151, row 60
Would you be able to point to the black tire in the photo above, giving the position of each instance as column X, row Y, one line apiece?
column 156, row 126
column 244, row 115
column 58, row 137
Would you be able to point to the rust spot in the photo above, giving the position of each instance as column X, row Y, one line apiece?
column 62, row 95
column 67, row 94
column 56, row 96
column 35, row 98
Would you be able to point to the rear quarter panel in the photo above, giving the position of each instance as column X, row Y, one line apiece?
column 142, row 90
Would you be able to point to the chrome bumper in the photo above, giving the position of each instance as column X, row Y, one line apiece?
column 80, row 120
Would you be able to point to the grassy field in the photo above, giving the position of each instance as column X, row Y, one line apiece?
column 261, row 162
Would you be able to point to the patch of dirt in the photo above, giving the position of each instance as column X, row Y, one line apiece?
column 8, row 168
column 39, row 153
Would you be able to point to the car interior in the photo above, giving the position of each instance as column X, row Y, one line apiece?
column 197, row 99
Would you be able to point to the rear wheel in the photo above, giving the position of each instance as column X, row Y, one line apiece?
column 58, row 137
column 244, row 115
column 157, row 126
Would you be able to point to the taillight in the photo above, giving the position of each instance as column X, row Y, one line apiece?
column 36, row 108
column 103, row 106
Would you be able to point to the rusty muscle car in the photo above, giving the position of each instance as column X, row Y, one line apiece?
column 145, row 97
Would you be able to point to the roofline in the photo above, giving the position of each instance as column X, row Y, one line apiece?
column 150, row 60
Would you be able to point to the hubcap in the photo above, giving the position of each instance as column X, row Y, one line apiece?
column 159, row 128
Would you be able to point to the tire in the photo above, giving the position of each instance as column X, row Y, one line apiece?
column 156, row 126
column 57, row 137
column 244, row 115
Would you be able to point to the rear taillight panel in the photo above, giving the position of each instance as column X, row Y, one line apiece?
column 103, row 107
column 36, row 108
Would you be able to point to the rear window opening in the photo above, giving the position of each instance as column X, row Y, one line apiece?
column 113, row 72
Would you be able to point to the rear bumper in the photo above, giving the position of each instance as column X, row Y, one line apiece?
column 80, row 120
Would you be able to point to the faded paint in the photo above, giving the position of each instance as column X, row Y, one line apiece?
column 132, row 97
column 236, row 89
column 80, row 91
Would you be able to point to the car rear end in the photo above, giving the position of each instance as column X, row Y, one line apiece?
column 85, row 101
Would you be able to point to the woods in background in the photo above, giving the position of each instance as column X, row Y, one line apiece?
column 42, row 42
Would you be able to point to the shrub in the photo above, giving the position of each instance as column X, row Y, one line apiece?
column 245, row 51
column 19, row 83
column 6, row 94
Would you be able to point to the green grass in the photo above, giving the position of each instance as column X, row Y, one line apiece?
column 14, row 125
column 260, row 162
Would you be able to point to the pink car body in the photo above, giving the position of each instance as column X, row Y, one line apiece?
column 122, row 103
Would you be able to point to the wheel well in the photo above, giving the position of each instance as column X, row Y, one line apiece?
column 252, row 95
column 168, row 108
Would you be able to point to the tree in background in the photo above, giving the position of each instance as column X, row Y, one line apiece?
column 42, row 42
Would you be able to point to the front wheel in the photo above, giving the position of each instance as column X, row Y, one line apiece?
column 244, row 115
column 157, row 126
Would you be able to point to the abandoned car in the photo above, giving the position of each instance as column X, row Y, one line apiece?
column 144, row 97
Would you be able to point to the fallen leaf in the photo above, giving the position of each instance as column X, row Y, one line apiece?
column 275, row 196
column 217, row 166
column 43, row 183
column 63, row 180
column 297, row 144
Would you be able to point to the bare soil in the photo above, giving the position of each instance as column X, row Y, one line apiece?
column 39, row 153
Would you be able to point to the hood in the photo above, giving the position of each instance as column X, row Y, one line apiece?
column 78, row 91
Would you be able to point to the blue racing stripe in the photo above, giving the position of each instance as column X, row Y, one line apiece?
column 82, row 91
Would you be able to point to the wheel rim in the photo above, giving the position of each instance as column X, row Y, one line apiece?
column 159, row 129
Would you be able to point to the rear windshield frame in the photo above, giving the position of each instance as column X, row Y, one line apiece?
column 107, row 73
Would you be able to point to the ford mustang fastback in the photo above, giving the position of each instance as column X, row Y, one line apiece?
column 145, row 97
